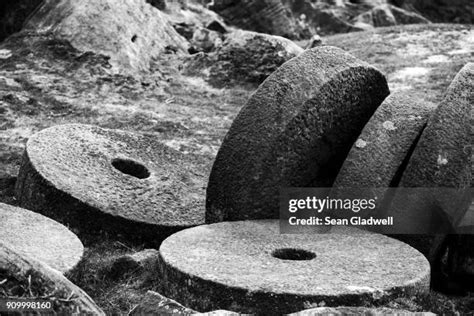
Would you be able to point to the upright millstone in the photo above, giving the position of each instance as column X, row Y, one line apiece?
column 39, row 237
column 441, row 161
column 249, row 267
column 98, row 179
column 295, row 130
column 377, row 159
column 27, row 278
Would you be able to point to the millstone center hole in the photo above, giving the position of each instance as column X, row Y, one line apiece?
column 293, row 254
column 131, row 168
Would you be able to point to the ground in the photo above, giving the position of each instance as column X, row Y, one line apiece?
column 47, row 82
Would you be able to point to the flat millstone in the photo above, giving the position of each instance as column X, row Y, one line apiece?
column 230, row 266
column 40, row 238
column 72, row 173
column 294, row 131
column 441, row 159
column 25, row 277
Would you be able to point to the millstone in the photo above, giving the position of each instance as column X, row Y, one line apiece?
column 39, row 237
column 441, row 159
column 97, row 179
column 25, row 277
column 249, row 267
column 295, row 130
column 377, row 158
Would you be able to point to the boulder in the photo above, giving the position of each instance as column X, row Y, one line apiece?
column 25, row 277
column 294, row 131
column 388, row 15
column 244, row 57
column 205, row 40
column 447, row 11
column 249, row 267
column 265, row 16
column 131, row 32
column 99, row 180
column 40, row 238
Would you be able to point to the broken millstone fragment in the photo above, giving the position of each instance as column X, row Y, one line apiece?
column 249, row 267
column 98, row 179
column 25, row 277
column 377, row 158
column 40, row 238
column 441, row 161
column 294, row 131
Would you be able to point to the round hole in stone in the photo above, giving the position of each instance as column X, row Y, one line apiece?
column 293, row 254
column 131, row 168
column 134, row 38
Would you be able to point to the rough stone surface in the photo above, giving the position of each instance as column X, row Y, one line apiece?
column 441, row 159
column 156, row 304
column 68, row 174
column 388, row 15
column 244, row 57
column 452, row 11
column 25, row 277
column 39, row 237
column 231, row 265
column 294, row 131
column 376, row 160
column 365, row 311
column 130, row 32
column 265, row 16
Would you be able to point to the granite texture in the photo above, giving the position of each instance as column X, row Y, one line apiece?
column 39, row 237
column 294, row 131
column 231, row 265
column 68, row 174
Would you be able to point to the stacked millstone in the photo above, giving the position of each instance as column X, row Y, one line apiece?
column 96, row 180
column 24, row 277
column 40, row 238
column 249, row 267
column 294, row 131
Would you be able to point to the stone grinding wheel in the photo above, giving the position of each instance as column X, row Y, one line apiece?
column 377, row 158
column 441, row 159
column 22, row 276
column 39, row 237
column 97, row 179
column 249, row 267
column 295, row 130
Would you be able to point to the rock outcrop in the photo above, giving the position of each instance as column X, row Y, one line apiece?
column 389, row 15
column 130, row 32
column 244, row 57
